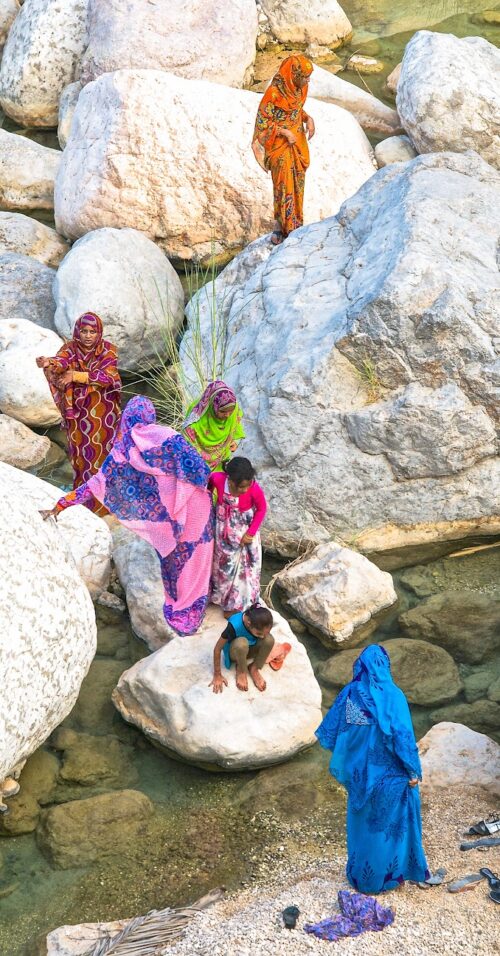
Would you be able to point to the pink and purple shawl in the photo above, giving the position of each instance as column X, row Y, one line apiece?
column 155, row 483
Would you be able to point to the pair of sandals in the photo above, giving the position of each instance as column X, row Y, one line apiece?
column 471, row 881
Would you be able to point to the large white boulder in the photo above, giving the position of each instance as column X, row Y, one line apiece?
column 26, row 289
column 338, row 593
column 27, row 173
column 319, row 21
column 48, row 633
column 42, row 55
column 8, row 12
column 67, row 106
column 138, row 569
column 78, row 532
column 130, row 284
column 144, row 156
column 454, row 755
column 19, row 446
column 167, row 696
column 24, row 391
column 197, row 39
column 440, row 111
column 371, row 113
column 28, row 237
column 374, row 419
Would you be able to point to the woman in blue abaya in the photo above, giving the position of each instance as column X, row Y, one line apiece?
column 375, row 757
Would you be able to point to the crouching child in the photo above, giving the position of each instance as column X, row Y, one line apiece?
column 247, row 642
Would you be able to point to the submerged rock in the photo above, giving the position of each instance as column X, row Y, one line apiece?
column 319, row 21
column 454, row 755
column 216, row 204
column 467, row 624
column 84, row 831
column 27, row 173
column 48, row 634
column 374, row 420
column 94, row 712
column 131, row 286
column 24, row 392
column 28, row 237
column 371, row 113
column 42, row 55
column 426, row 674
column 97, row 761
column 196, row 39
column 83, row 535
column 440, row 111
column 26, row 289
column 19, row 446
column 167, row 696
column 338, row 593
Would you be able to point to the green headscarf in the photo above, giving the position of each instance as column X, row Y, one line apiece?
column 212, row 437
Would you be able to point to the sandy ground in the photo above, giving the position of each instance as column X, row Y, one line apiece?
column 427, row 922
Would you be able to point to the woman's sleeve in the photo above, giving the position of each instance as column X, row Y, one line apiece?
column 61, row 361
column 259, row 500
column 77, row 497
column 266, row 123
column 107, row 376
column 404, row 744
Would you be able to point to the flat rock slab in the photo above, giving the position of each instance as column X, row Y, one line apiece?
column 167, row 696
column 453, row 754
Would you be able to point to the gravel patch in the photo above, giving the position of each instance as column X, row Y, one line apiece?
column 427, row 922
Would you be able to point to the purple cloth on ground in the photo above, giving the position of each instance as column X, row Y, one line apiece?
column 358, row 914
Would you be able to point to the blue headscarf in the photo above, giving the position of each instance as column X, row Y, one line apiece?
column 369, row 729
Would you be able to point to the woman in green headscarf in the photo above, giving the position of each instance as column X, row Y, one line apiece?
column 213, row 425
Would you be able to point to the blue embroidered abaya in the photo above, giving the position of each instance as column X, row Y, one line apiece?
column 374, row 755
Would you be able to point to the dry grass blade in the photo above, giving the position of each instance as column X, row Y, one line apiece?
column 304, row 553
column 148, row 935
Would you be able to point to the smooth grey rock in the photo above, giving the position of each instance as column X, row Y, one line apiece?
column 454, row 755
column 370, row 112
column 319, row 21
column 427, row 674
column 9, row 10
column 467, row 624
column 24, row 391
column 448, row 94
column 381, row 319
column 26, row 290
column 482, row 716
column 132, row 286
column 67, row 106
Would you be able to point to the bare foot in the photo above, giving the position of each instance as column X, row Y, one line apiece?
column 241, row 680
column 257, row 677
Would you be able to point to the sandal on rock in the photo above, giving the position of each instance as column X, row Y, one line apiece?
column 484, row 827
column 493, row 879
column 465, row 883
column 435, row 879
column 481, row 844
column 277, row 662
column 277, row 237
column 290, row 916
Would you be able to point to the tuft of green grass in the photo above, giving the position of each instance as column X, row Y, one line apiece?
column 369, row 377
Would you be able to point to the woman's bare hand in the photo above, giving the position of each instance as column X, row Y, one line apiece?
column 310, row 127
column 49, row 513
column 246, row 539
column 291, row 137
column 414, row 782
column 42, row 362
column 65, row 378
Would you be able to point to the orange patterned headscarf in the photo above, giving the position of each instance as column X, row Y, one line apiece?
column 286, row 81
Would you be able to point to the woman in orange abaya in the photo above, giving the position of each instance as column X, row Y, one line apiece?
column 280, row 144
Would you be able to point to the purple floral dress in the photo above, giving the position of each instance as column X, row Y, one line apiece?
column 236, row 568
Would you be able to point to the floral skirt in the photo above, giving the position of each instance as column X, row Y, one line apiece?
column 236, row 568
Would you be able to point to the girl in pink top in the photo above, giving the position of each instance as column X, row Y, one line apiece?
column 240, row 508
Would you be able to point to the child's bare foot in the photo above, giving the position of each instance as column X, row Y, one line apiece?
column 241, row 680
column 257, row 677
